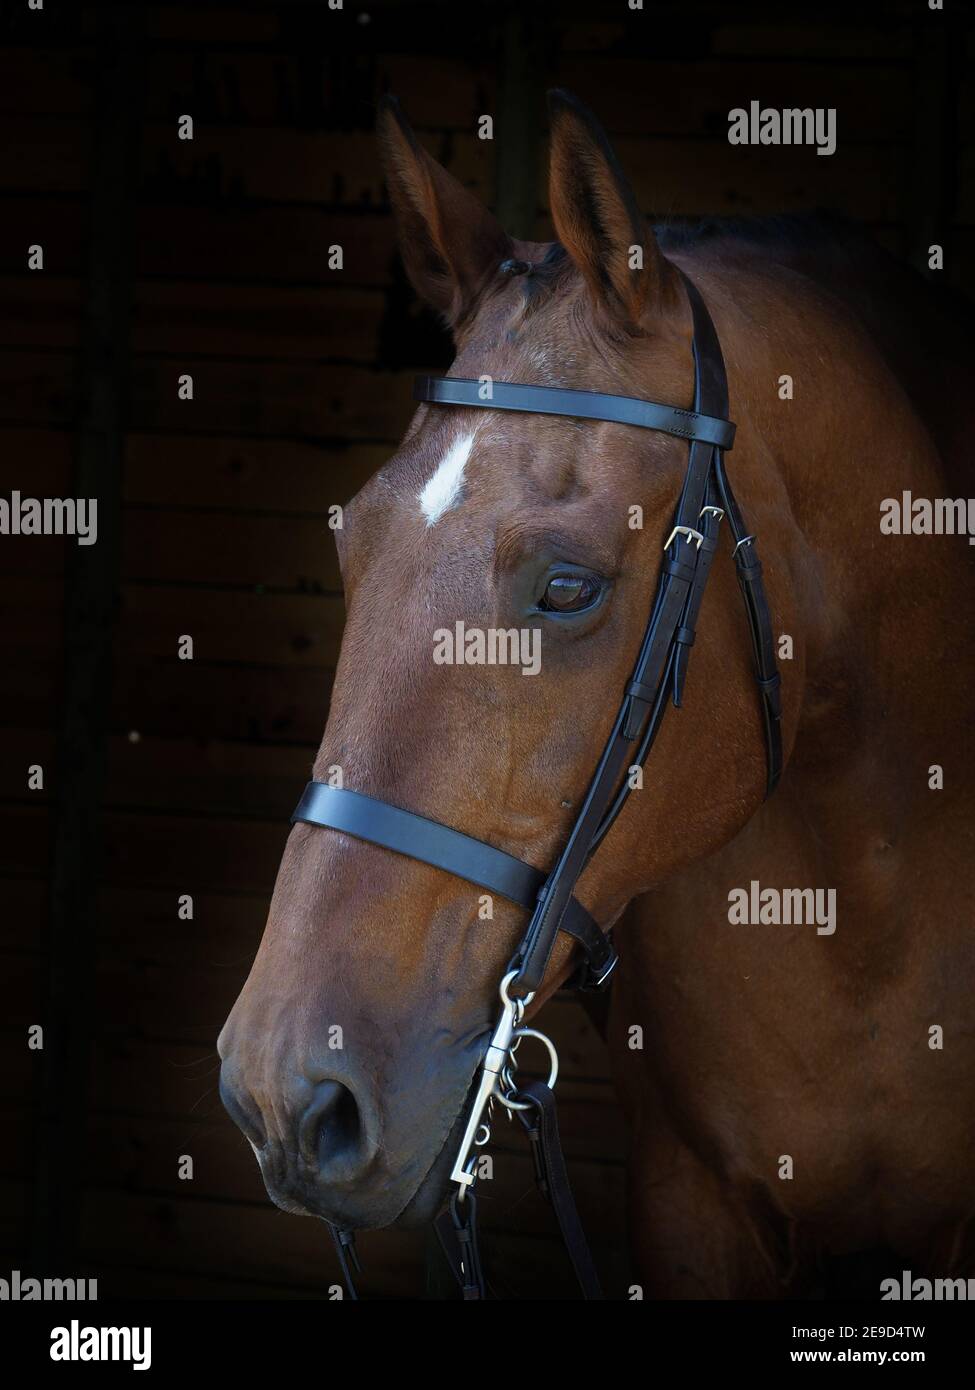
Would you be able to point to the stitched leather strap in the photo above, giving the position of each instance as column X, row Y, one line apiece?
column 708, row 524
column 456, row 1230
column 347, row 1257
column 760, row 626
column 415, row 836
column 542, row 1126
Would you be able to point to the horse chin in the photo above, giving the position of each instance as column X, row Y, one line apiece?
column 350, row 1212
column 433, row 1191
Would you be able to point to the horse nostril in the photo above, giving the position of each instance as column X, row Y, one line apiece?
column 331, row 1125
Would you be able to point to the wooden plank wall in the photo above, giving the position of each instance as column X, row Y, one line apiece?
column 301, row 389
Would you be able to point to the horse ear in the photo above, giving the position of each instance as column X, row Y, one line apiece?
column 597, row 218
column 451, row 244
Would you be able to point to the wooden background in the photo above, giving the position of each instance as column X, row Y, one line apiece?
column 165, row 777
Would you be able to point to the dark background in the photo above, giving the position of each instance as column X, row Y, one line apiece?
column 165, row 777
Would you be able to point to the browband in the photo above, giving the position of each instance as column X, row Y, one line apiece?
column 582, row 405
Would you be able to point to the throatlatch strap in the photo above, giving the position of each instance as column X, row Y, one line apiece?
column 760, row 626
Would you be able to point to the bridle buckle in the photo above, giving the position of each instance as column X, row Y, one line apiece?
column 598, row 984
column 688, row 532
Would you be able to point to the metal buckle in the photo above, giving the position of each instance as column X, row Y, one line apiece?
column 688, row 532
column 607, row 972
column 714, row 511
column 745, row 540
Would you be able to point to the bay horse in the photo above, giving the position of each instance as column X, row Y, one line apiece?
column 799, row 1093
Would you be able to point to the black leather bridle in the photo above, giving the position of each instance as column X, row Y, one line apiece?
column 658, row 673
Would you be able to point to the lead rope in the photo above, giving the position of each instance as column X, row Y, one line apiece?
column 552, row 1177
column 348, row 1256
column 456, row 1230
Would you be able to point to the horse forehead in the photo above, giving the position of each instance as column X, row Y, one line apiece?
column 484, row 486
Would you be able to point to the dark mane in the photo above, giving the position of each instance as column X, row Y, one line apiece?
column 919, row 322
column 799, row 231
column 830, row 249
column 823, row 244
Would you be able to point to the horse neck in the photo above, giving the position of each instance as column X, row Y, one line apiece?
column 866, row 611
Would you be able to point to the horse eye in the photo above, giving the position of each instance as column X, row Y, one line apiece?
column 569, row 593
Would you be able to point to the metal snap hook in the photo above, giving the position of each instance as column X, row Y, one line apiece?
column 519, row 1005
